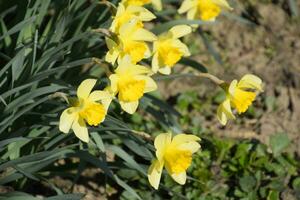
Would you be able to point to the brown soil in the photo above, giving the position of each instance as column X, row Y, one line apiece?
column 269, row 50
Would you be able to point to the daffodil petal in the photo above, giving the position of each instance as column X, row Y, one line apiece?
column 125, row 63
column 112, row 56
column 250, row 81
column 183, row 48
column 180, row 31
column 139, row 70
column 114, row 82
column 143, row 13
column 232, row 87
column 150, row 83
column 186, row 142
column 157, row 4
column 185, row 6
column 80, row 130
column 160, row 143
column 165, row 70
column 129, row 107
column 85, row 88
column 104, row 96
column 222, row 3
column 66, row 120
column 193, row 147
column 143, row 35
column 98, row 95
column 154, row 63
column 192, row 15
column 224, row 112
column 154, row 173
column 110, row 43
column 179, row 178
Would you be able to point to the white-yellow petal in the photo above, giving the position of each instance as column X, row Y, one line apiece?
column 154, row 173
column 104, row 96
column 112, row 56
column 222, row 3
column 129, row 107
column 250, row 81
column 224, row 112
column 150, row 83
column 179, row 178
column 180, row 31
column 110, row 43
column 192, row 15
column 165, row 70
column 232, row 87
column 160, row 143
column 143, row 35
column 66, row 120
column 143, row 13
column 114, row 82
column 124, row 64
column 193, row 147
column 85, row 88
column 185, row 6
column 80, row 129
column 154, row 64
column 186, row 142
column 182, row 47
column 157, row 4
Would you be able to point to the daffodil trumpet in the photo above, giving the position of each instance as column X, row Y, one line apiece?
column 87, row 108
column 175, row 154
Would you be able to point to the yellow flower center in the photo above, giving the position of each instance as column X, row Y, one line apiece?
column 136, row 50
column 130, row 89
column 169, row 54
column 208, row 10
column 137, row 2
column 176, row 160
column 93, row 113
column 242, row 100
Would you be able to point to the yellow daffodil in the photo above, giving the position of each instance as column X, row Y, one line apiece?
column 125, row 14
column 89, row 107
column 168, row 49
column 240, row 96
column 130, row 82
column 206, row 10
column 131, row 41
column 156, row 3
column 175, row 154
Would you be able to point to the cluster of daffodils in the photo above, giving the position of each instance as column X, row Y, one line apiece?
column 129, row 42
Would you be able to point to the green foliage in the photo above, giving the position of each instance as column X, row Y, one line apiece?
column 48, row 47
column 228, row 168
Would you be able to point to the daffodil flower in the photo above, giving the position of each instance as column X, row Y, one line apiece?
column 125, row 14
column 131, row 41
column 156, row 3
column 174, row 154
column 206, row 10
column 168, row 49
column 240, row 96
column 88, row 108
column 130, row 82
